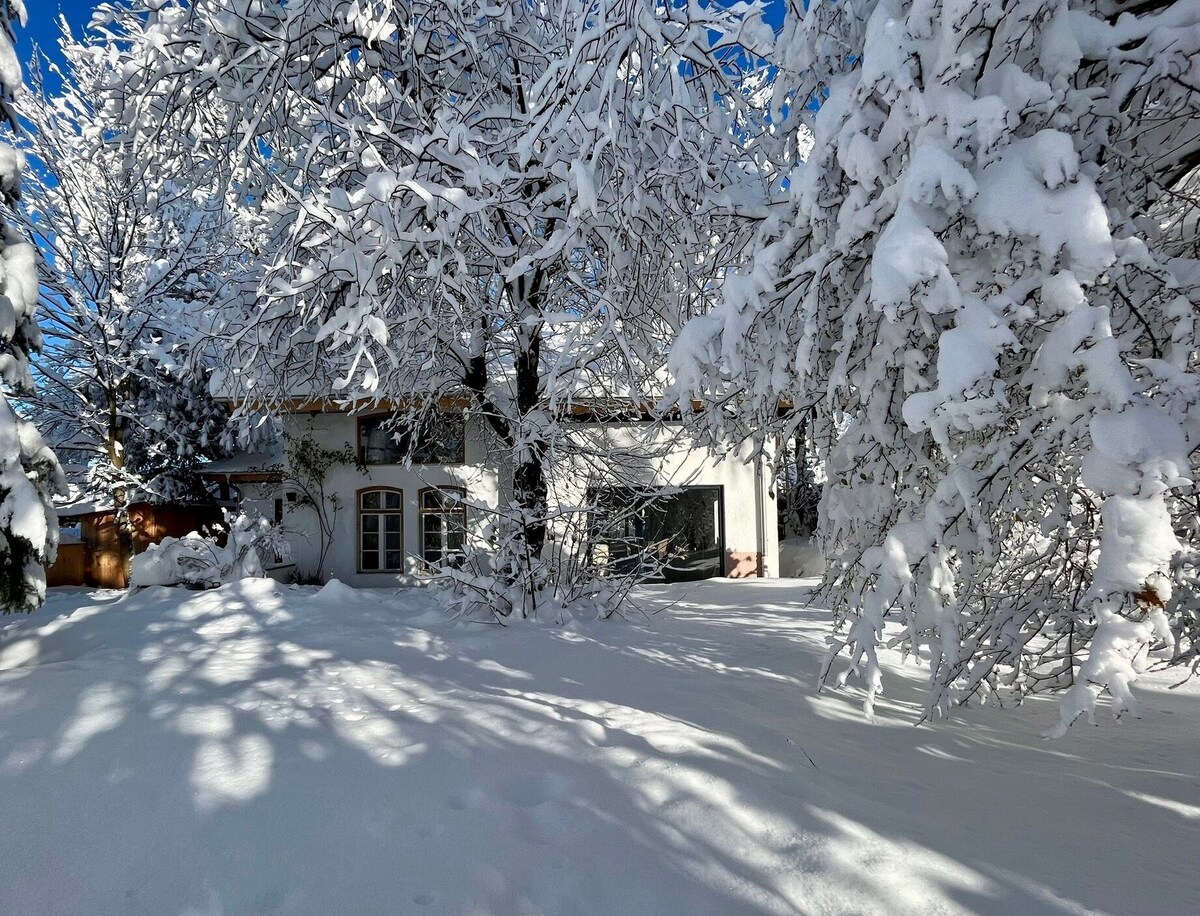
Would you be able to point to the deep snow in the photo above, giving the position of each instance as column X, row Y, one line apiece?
column 266, row 749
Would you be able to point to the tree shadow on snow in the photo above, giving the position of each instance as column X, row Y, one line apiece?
column 266, row 749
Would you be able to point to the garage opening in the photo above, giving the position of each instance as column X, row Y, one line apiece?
column 673, row 536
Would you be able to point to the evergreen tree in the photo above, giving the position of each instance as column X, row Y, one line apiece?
column 29, row 472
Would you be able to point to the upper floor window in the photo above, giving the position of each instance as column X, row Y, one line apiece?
column 381, row 530
column 439, row 438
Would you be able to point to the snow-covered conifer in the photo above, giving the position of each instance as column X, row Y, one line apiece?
column 29, row 472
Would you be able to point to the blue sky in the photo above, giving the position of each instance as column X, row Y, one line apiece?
column 43, row 20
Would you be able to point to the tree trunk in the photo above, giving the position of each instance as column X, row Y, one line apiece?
column 115, row 448
column 530, row 492
column 523, row 431
column 529, row 474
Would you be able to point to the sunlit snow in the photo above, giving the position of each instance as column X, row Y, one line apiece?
column 272, row 749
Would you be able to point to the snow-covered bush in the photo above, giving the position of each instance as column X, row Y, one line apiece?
column 979, row 284
column 585, row 579
column 200, row 561
column 800, row 558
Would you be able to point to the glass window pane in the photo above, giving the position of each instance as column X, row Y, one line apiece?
column 443, row 524
column 370, row 499
column 370, row 559
column 391, row 500
column 392, row 541
column 395, row 559
column 370, row 523
column 391, row 523
column 377, row 446
column 380, row 445
column 370, row 541
column 439, row 440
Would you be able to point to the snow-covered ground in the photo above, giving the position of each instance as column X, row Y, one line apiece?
column 266, row 749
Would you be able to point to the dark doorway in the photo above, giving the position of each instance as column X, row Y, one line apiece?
column 674, row 536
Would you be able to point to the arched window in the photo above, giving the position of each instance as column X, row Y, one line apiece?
column 443, row 525
column 381, row 530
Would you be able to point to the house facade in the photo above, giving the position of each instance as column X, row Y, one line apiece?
column 390, row 507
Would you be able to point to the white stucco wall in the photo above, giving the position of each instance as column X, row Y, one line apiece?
column 335, row 431
column 667, row 457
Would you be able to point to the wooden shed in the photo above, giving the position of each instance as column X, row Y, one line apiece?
column 99, row 557
column 71, row 566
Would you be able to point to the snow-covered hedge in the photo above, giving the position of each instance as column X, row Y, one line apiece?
column 199, row 561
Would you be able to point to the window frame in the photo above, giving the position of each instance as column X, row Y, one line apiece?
column 460, row 509
column 361, row 446
column 359, row 512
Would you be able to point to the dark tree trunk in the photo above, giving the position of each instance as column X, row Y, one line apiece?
column 522, row 430
column 530, row 491
column 529, row 474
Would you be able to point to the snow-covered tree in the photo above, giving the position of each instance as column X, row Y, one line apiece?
column 135, row 247
column 29, row 472
column 980, row 285
column 796, row 485
column 501, row 202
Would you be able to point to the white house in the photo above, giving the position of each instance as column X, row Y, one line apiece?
column 388, row 521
